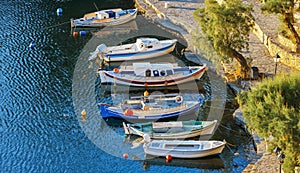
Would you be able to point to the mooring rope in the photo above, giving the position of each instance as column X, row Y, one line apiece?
column 227, row 145
column 55, row 25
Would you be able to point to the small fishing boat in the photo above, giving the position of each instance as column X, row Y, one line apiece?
column 143, row 48
column 103, row 18
column 171, row 130
column 151, row 108
column 151, row 74
column 183, row 149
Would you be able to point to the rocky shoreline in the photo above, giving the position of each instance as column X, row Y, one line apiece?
column 177, row 15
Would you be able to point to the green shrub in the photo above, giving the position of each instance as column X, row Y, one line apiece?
column 272, row 108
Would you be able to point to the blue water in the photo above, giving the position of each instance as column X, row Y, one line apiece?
column 39, row 128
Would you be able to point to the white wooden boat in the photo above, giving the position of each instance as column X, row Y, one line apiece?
column 109, row 17
column 143, row 48
column 171, row 130
column 183, row 149
column 151, row 75
column 151, row 109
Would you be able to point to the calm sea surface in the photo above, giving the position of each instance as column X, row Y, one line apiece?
column 40, row 129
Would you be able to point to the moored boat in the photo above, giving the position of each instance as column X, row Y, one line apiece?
column 109, row 17
column 143, row 48
column 183, row 149
column 171, row 130
column 151, row 74
column 151, row 109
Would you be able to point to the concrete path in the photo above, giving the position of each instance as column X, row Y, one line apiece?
column 269, row 24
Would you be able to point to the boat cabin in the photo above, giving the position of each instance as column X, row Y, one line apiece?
column 101, row 15
column 147, row 43
column 96, row 15
column 148, row 70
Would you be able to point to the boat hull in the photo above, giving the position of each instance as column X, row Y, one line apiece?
column 181, row 153
column 107, row 22
column 117, row 112
column 140, row 54
column 107, row 77
column 206, row 130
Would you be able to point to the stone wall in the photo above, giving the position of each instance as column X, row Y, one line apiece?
column 287, row 57
column 287, row 42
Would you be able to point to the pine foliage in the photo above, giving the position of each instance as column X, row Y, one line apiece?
column 227, row 26
column 273, row 109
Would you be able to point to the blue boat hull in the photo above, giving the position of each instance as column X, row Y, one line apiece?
column 108, row 113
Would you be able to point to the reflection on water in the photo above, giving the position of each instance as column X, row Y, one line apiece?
column 211, row 162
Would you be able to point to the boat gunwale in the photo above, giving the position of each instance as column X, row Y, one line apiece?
column 159, row 116
column 161, row 142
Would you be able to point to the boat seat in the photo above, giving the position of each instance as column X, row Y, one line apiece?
column 175, row 129
column 160, row 130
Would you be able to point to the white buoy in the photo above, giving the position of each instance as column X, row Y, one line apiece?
column 31, row 45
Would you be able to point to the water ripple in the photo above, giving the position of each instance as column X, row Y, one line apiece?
column 39, row 131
